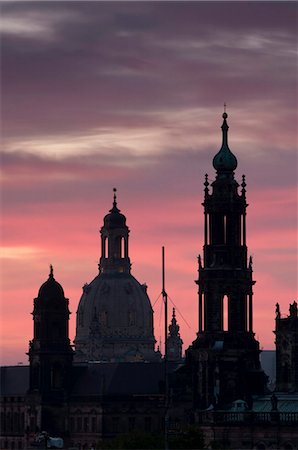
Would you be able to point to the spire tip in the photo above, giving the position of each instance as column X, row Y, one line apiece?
column 115, row 197
column 225, row 115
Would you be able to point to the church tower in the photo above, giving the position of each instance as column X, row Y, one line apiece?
column 115, row 316
column 50, row 357
column 225, row 354
column 174, row 341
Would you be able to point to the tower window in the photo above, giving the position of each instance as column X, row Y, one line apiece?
column 225, row 309
column 122, row 251
column 225, row 229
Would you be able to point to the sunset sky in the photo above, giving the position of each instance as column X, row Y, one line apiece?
column 97, row 95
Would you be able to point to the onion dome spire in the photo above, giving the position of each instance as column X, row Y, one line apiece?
column 224, row 161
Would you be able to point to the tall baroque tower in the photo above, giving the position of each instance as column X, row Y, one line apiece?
column 225, row 355
column 115, row 316
column 50, row 357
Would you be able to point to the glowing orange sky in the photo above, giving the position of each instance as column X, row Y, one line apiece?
column 99, row 95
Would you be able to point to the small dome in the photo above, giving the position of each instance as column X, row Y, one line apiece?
column 51, row 289
column 225, row 160
column 114, row 219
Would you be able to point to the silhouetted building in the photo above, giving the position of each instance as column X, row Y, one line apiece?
column 116, row 385
column 174, row 341
column 286, row 339
column 50, row 358
column 225, row 355
column 115, row 316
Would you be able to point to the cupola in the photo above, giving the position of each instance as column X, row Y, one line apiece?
column 114, row 242
column 51, row 289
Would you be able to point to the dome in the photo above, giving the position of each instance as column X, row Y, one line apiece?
column 114, row 219
column 225, row 160
column 51, row 289
column 116, row 311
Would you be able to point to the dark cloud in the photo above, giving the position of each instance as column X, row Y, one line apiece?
column 98, row 60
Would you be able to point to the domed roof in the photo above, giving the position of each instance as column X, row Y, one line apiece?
column 114, row 219
column 124, row 302
column 225, row 160
column 51, row 289
column 123, row 312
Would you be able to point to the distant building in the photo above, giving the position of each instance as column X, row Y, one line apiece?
column 286, row 339
column 268, row 363
column 174, row 341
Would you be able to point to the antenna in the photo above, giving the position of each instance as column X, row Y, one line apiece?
column 165, row 300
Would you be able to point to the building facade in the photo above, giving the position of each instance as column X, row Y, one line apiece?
column 286, row 340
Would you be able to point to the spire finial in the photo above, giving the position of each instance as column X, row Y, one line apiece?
column 115, row 197
column 51, row 275
column 225, row 115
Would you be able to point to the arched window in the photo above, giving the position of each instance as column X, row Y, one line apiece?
column 225, row 313
column 122, row 250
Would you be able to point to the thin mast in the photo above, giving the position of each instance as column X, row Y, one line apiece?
column 165, row 300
